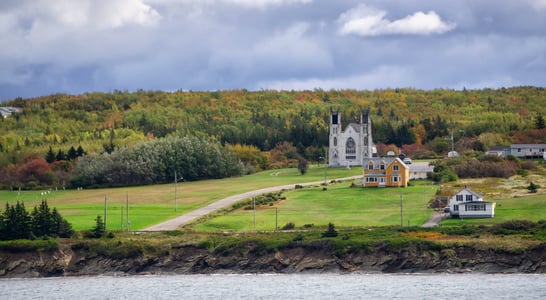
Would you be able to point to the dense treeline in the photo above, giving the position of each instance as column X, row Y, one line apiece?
column 17, row 223
column 157, row 161
column 44, row 145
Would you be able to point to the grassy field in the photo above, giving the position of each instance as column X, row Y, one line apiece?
column 150, row 205
column 340, row 204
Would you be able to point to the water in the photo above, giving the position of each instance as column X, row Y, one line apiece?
column 299, row 286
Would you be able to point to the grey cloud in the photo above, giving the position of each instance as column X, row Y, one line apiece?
column 229, row 44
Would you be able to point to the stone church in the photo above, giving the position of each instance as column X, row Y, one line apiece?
column 351, row 146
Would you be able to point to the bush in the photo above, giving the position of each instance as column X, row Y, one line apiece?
column 533, row 187
column 513, row 226
column 289, row 226
column 331, row 231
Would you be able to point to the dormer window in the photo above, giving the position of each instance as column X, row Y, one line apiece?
column 370, row 166
column 382, row 166
column 395, row 167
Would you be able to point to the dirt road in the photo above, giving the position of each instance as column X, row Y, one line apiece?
column 187, row 218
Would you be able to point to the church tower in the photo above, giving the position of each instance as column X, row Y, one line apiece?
column 335, row 135
column 366, row 141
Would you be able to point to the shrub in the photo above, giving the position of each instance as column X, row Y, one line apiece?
column 289, row 226
column 331, row 231
column 532, row 187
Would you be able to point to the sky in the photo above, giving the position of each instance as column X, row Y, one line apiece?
column 79, row 46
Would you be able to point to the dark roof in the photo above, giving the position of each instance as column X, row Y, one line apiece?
column 354, row 126
column 499, row 148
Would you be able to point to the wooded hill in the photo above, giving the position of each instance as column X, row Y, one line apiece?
column 54, row 126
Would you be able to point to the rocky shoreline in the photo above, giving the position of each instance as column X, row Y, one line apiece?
column 315, row 257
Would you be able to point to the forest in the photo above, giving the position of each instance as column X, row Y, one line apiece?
column 144, row 137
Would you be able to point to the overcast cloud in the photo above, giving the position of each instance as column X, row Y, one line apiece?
column 77, row 46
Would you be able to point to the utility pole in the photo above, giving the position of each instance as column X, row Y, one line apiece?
column 276, row 218
column 424, row 203
column 175, row 203
column 105, row 199
column 401, row 218
column 325, row 166
column 127, row 210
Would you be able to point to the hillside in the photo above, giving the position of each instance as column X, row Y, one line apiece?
column 61, row 128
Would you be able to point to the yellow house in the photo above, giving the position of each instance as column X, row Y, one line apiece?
column 385, row 172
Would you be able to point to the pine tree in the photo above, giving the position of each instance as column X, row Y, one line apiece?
column 72, row 154
column 60, row 155
column 41, row 221
column 99, row 230
column 50, row 156
column 539, row 122
column 60, row 226
column 80, row 151
column 331, row 231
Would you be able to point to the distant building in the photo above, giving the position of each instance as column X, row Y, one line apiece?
column 348, row 147
column 385, row 172
column 528, row 150
column 420, row 171
column 467, row 204
column 502, row 151
column 6, row 112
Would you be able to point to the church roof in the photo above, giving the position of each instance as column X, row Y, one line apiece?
column 354, row 126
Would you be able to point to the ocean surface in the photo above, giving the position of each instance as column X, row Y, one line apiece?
column 275, row 286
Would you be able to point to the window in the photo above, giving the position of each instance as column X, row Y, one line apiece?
column 395, row 179
column 371, row 179
column 370, row 166
column 350, row 149
column 382, row 166
column 350, row 146
column 519, row 149
column 335, row 141
column 475, row 207
column 382, row 179
column 468, row 197
column 395, row 167
column 455, row 207
column 459, row 198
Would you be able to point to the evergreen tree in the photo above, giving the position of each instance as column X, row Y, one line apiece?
column 60, row 155
column 80, row 151
column 50, row 156
column 99, row 229
column 539, row 122
column 72, row 154
column 331, row 231
column 532, row 187
column 16, row 221
column 60, row 226
column 41, row 220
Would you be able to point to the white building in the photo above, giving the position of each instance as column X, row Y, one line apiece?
column 420, row 170
column 350, row 146
column 467, row 204
column 528, row 150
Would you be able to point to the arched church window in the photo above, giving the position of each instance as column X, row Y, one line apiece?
column 335, row 141
column 350, row 146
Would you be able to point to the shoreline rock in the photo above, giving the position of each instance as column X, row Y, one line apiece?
column 296, row 258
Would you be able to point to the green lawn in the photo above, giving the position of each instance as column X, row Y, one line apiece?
column 340, row 204
column 153, row 204
column 532, row 208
